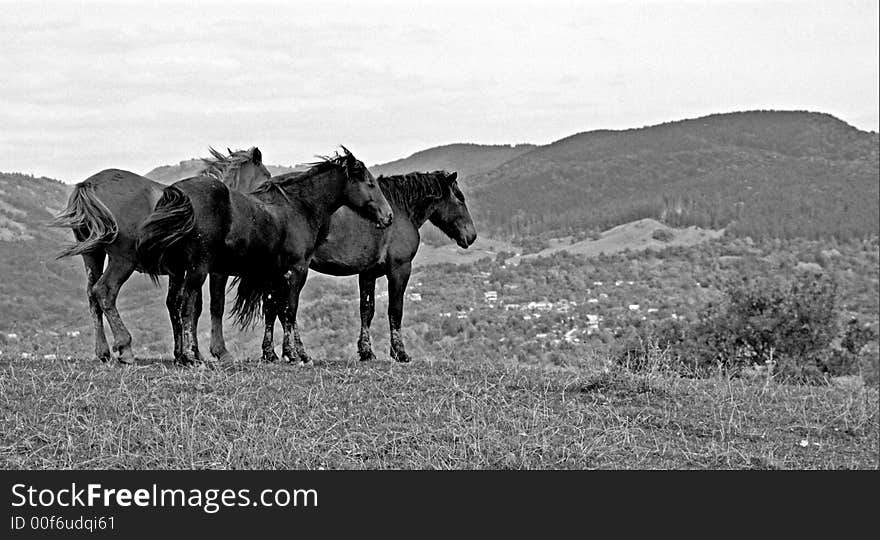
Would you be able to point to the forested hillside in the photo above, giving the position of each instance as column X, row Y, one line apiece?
column 760, row 174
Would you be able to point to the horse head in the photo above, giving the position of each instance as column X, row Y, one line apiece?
column 450, row 213
column 362, row 191
column 241, row 170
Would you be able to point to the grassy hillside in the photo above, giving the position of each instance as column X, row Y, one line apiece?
column 761, row 174
column 468, row 159
column 27, row 204
column 440, row 413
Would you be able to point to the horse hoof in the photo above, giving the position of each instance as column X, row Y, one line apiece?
column 366, row 356
column 104, row 357
column 269, row 357
column 126, row 357
column 305, row 360
column 401, row 357
column 184, row 360
column 223, row 356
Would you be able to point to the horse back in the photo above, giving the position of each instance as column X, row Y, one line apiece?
column 129, row 197
column 211, row 209
column 355, row 245
column 244, row 233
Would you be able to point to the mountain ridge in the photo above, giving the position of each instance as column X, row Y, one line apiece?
column 709, row 171
column 468, row 159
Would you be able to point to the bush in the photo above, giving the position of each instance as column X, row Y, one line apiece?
column 767, row 319
column 858, row 353
column 663, row 235
column 786, row 324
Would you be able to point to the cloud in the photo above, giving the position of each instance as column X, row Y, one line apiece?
column 134, row 85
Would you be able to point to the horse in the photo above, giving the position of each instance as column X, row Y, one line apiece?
column 105, row 211
column 266, row 238
column 351, row 247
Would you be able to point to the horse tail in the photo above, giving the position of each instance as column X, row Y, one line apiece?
column 92, row 222
column 172, row 221
column 249, row 299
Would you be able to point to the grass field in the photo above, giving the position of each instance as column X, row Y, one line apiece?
column 433, row 413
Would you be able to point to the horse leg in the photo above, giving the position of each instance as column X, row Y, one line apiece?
column 94, row 263
column 217, row 288
column 192, row 305
column 106, row 290
column 269, row 313
column 296, row 279
column 194, row 325
column 397, row 280
column 367, row 286
column 174, row 303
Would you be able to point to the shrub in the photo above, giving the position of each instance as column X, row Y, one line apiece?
column 786, row 324
column 858, row 352
column 766, row 319
column 663, row 235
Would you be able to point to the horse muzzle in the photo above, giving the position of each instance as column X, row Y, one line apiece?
column 465, row 240
column 384, row 223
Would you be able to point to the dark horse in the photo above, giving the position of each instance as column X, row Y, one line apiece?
column 351, row 247
column 105, row 212
column 267, row 238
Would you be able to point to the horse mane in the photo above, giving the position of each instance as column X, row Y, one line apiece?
column 415, row 191
column 218, row 165
column 291, row 184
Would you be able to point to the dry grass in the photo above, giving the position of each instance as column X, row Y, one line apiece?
column 431, row 414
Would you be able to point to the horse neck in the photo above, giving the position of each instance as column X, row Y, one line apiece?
column 420, row 211
column 416, row 210
column 321, row 195
column 233, row 181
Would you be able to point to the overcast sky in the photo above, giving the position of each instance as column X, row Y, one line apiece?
column 87, row 86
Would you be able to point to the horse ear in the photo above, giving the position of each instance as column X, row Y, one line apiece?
column 350, row 160
column 229, row 150
column 451, row 177
column 256, row 156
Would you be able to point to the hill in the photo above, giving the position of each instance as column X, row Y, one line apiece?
column 26, row 204
column 168, row 174
column 759, row 173
column 468, row 159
